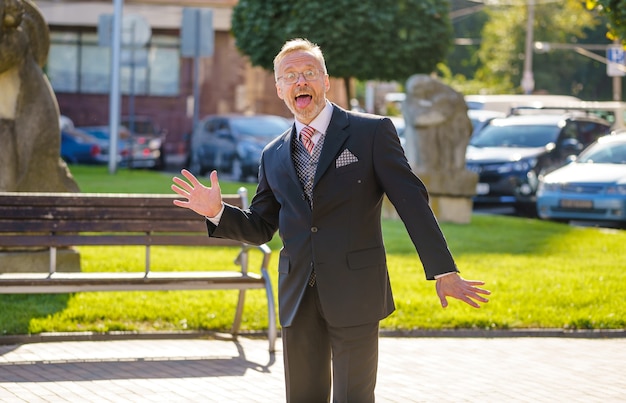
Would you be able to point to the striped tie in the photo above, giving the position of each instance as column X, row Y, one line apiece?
column 306, row 136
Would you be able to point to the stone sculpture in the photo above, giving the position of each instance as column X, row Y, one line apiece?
column 437, row 116
column 29, row 125
column 29, row 114
column 437, row 133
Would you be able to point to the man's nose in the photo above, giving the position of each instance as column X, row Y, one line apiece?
column 301, row 78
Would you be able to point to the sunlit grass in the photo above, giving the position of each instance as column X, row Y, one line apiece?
column 541, row 274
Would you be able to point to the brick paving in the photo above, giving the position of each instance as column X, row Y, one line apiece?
column 418, row 369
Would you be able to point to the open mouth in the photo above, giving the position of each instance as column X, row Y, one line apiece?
column 302, row 101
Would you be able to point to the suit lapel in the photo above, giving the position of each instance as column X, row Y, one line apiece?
column 284, row 154
column 336, row 136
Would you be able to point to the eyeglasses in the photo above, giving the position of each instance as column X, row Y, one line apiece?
column 293, row 77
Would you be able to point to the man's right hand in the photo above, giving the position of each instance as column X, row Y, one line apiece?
column 206, row 201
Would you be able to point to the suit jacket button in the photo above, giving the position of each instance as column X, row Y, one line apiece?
column 313, row 229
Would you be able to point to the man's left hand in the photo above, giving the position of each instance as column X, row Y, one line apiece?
column 455, row 286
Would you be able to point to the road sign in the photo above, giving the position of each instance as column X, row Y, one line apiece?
column 196, row 32
column 136, row 31
column 615, row 66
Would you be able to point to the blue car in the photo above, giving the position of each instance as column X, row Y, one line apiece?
column 146, row 151
column 79, row 147
column 591, row 188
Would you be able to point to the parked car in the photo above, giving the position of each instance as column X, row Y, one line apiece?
column 79, row 147
column 480, row 118
column 136, row 151
column 507, row 102
column 592, row 187
column 233, row 143
column 511, row 153
column 144, row 127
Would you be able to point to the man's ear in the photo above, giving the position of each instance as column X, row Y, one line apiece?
column 326, row 83
column 279, row 91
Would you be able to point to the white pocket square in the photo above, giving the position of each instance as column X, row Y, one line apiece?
column 346, row 158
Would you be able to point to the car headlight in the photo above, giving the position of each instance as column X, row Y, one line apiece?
column 154, row 144
column 616, row 189
column 518, row 166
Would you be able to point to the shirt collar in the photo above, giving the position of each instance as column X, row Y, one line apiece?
column 321, row 121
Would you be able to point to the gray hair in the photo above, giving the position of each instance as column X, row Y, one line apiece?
column 299, row 44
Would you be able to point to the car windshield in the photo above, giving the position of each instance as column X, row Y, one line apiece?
column 260, row 126
column 604, row 153
column 516, row 136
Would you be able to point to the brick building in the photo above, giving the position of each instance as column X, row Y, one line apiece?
column 79, row 68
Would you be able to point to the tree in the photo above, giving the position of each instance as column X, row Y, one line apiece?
column 502, row 50
column 387, row 40
column 615, row 11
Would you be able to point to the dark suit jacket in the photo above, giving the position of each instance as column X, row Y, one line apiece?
column 341, row 236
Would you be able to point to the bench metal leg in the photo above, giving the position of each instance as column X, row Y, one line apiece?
column 271, row 311
column 53, row 260
column 242, row 260
column 238, row 313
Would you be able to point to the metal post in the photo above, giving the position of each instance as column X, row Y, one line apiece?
column 617, row 81
column 196, row 72
column 131, row 97
column 114, row 97
column 528, row 82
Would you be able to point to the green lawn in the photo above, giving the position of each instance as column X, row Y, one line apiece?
column 541, row 274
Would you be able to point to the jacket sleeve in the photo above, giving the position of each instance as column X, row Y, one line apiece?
column 255, row 225
column 409, row 196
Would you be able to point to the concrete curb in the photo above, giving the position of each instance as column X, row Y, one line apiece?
column 480, row 333
column 463, row 333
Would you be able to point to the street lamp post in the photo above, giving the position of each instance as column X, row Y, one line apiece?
column 528, row 82
column 617, row 74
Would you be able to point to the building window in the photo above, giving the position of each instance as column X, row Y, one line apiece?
column 76, row 63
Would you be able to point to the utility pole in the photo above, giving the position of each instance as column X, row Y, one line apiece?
column 617, row 79
column 528, row 82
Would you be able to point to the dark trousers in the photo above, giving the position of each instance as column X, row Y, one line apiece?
column 308, row 345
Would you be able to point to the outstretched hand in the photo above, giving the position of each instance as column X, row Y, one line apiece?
column 206, row 201
column 455, row 286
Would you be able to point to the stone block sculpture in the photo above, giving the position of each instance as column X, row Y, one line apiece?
column 29, row 113
column 437, row 133
column 29, row 125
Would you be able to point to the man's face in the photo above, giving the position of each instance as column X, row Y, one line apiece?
column 305, row 99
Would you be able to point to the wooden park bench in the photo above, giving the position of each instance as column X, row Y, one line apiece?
column 63, row 220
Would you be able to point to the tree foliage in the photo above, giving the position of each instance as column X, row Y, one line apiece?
column 502, row 50
column 615, row 11
column 387, row 40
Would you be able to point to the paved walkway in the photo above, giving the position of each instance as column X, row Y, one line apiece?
column 522, row 369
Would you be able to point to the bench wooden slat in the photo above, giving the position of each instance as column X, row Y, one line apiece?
column 127, row 281
column 97, row 199
column 154, row 225
column 97, row 212
column 31, row 220
column 113, row 240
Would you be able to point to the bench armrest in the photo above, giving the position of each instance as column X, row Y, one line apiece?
column 242, row 258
